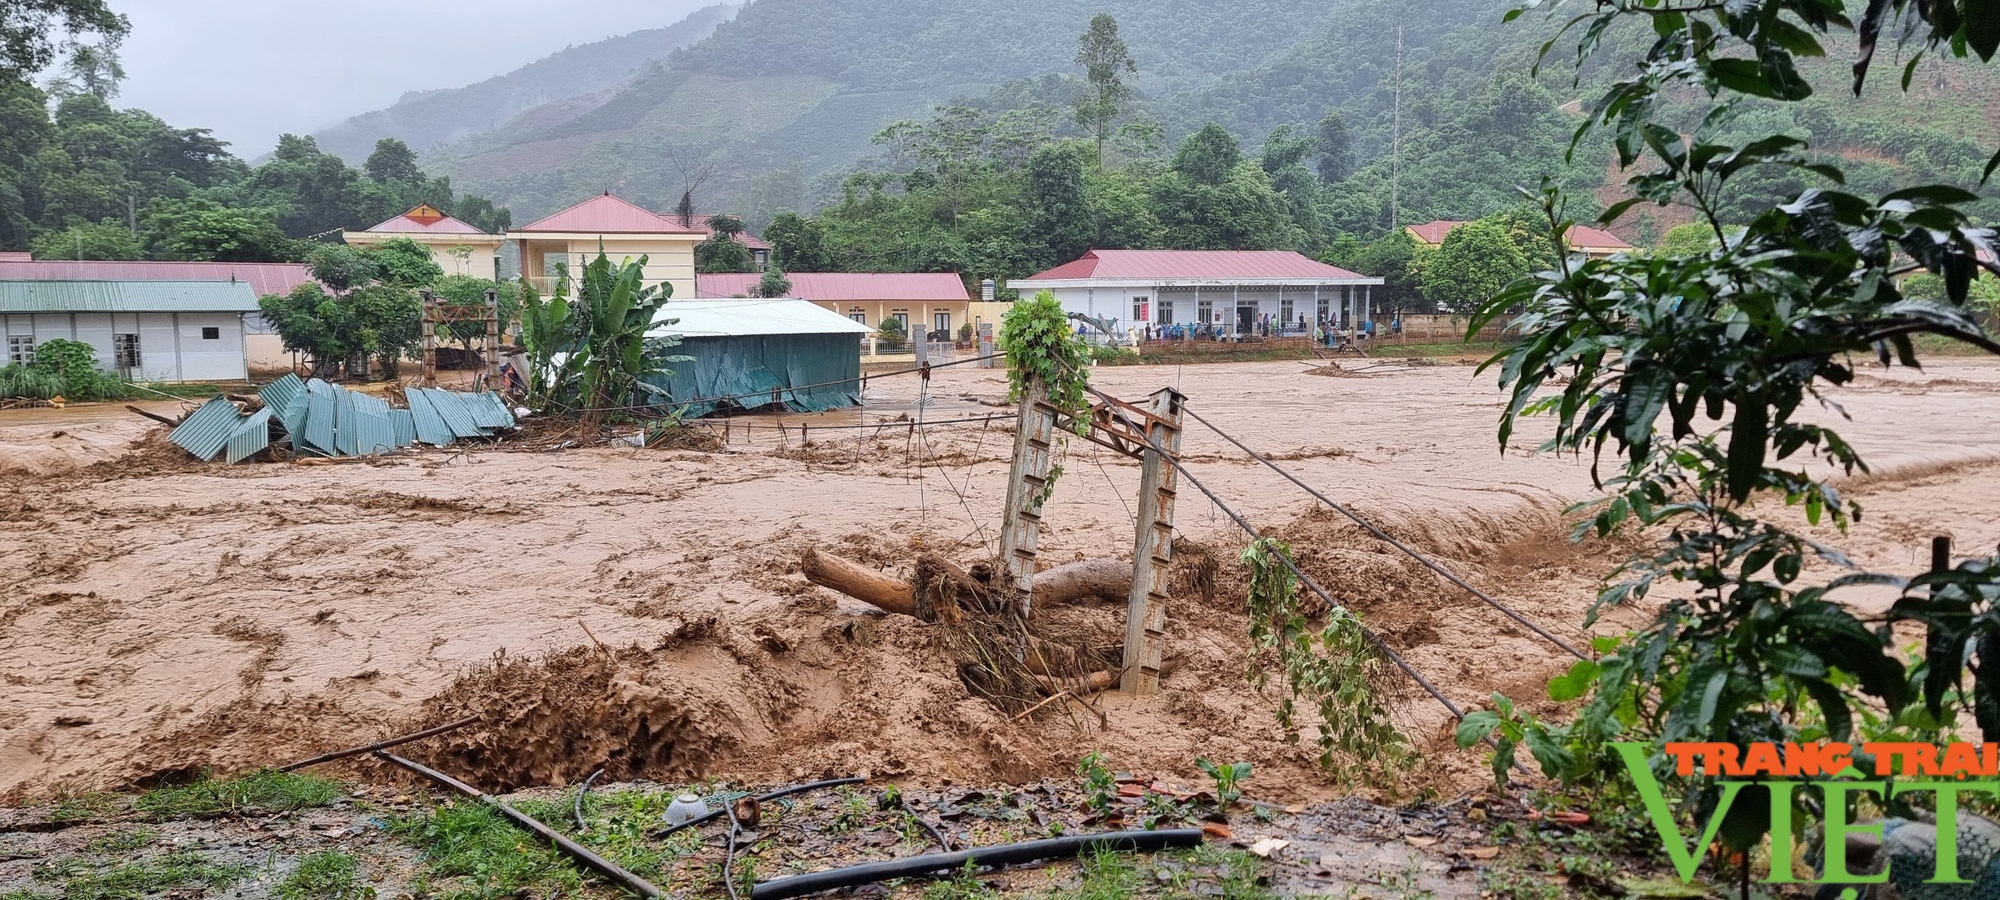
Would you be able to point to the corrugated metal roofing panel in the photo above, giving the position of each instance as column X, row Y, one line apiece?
column 287, row 398
column 126, row 296
column 251, row 437
column 373, row 433
column 743, row 318
column 206, row 430
column 320, row 418
column 1216, row 264
column 845, row 287
column 405, row 426
column 431, row 427
column 345, row 436
column 488, row 411
column 263, row 278
column 452, row 410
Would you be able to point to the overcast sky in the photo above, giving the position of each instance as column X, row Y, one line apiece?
column 254, row 69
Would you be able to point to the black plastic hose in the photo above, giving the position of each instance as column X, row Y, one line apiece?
column 1003, row 855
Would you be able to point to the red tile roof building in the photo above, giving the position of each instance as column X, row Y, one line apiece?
column 1237, row 291
column 1580, row 238
column 927, row 303
column 456, row 246
column 605, row 214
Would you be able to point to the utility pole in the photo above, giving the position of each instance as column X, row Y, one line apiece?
column 1396, row 144
column 132, row 213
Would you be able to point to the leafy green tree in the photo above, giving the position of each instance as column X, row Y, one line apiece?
column 1333, row 148
column 722, row 251
column 28, row 29
column 95, row 70
column 1058, row 212
column 393, row 162
column 480, row 213
column 104, row 240
column 1475, row 261
column 316, row 192
column 798, row 244
column 203, row 230
column 467, row 291
column 774, row 284
column 374, row 309
column 1391, row 258
column 1208, row 156
column 1689, row 239
column 1688, row 378
column 1530, row 236
column 1106, row 63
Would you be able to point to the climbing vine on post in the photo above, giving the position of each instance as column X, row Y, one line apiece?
column 1035, row 336
column 1334, row 668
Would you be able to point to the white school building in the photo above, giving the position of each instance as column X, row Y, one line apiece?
column 141, row 330
column 1232, row 290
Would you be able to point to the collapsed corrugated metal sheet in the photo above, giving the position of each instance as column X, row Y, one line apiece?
column 251, row 437
column 328, row 420
column 206, row 430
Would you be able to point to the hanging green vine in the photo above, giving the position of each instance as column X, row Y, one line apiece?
column 1036, row 337
column 1333, row 668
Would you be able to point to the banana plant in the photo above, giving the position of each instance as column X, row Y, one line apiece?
column 589, row 354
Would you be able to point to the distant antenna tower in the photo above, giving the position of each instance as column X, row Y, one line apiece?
column 1396, row 143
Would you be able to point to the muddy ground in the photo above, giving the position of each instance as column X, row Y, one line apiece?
column 642, row 610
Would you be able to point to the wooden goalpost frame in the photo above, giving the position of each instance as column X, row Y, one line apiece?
column 437, row 315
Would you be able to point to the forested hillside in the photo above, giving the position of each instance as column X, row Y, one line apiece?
column 779, row 106
column 576, row 79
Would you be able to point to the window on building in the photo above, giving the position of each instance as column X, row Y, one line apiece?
column 1140, row 309
column 1285, row 313
column 21, row 349
column 1206, row 310
column 1166, row 312
column 211, row 334
column 858, row 316
column 125, row 351
column 1325, row 308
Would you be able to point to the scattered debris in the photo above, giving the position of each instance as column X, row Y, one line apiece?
column 317, row 419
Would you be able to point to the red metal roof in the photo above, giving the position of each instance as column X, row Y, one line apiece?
column 264, row 278
column 1192, row 264
column 1580, row 237
column 1583, row 237
column 840, row 287
column 16, row 256
column 411, row 223
column 1434, row 232
column 605, row 214
column 746, row 238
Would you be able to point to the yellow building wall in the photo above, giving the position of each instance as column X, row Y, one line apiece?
column 668, row 260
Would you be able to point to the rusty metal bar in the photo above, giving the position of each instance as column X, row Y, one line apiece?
column 379, row 745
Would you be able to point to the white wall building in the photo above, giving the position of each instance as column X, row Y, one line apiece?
column 142, row 330
column 1232, row 290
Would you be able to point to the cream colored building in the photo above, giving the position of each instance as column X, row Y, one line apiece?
column 459, row 248
column 622, row 230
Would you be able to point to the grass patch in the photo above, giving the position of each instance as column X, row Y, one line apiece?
column 87, row 880
column 76, row 807
column 331, row 875
column 1107, row 875
column 484, row 855
column 123, row 841
column 266, row 790
column 963, row 886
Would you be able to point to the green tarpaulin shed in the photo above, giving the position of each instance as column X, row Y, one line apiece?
column 749, row 354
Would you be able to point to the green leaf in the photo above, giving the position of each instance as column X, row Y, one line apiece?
column 1747, row 437
column 1476, row 726
column 1576, row 683
column 1556, row 760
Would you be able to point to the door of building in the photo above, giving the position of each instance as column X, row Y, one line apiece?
column 1246, row 319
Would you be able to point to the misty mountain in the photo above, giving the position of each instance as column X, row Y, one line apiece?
column 577, row 78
